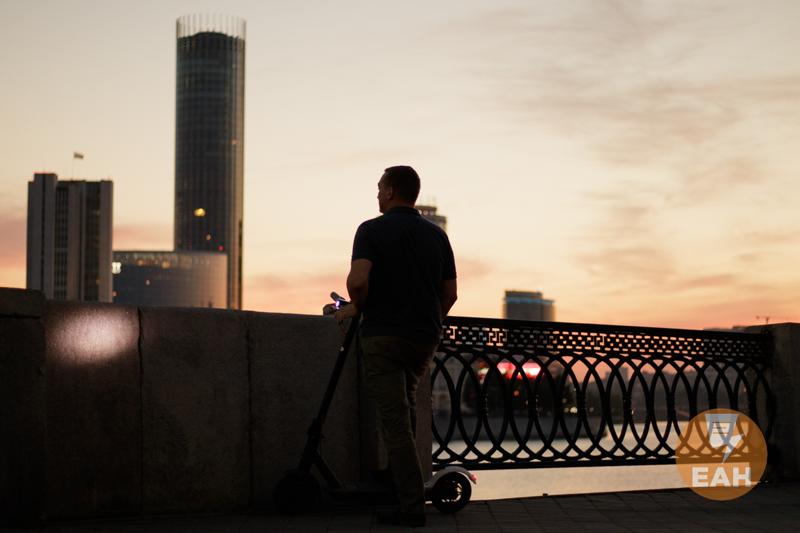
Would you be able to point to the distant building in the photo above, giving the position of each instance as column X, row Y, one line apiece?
column 524, row 305
column 209, row 141
column 732, row 328
column 440, row 394
column 429, row 213
column 69, row 238
column 170, row 279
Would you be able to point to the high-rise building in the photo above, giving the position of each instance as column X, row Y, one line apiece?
column 525, row 305
column 209, row 141
column 429, row 213
column 69, row 238
column 171, row 279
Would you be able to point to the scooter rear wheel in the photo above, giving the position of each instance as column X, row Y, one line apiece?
column 451, row 493
column 297, row 492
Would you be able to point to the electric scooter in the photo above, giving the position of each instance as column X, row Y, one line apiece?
column 449, row 489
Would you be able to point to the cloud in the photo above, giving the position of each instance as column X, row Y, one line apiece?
column 303, row 292
column 377, row 156
column 646, row 87
column 267, row 282
column 706, row 282
column 748, row 258
column 143, row 237
column 13, row 240
column 771, row 237
column 699, row 134
column 616, row 76
column 471, row 269
column 764, row 250
column 628, row 265
column 293, row 292
column 622, row 80
column 750, row 308
column 623, row 247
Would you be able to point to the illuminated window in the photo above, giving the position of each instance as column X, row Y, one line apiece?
column 147, row 282
column 116, row 267
column 208, row 236
column 199, row 212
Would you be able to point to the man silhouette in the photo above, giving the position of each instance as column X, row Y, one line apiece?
column 403, row 281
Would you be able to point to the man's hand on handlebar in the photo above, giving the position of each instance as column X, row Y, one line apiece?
column 341, row 310
column 345, row 312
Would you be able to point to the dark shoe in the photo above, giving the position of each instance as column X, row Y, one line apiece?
column 400, row 518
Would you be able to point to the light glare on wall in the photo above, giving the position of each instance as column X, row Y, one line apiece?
column 92, row 336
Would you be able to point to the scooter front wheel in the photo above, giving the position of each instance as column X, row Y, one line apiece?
column 296, row 492
column 451, row 493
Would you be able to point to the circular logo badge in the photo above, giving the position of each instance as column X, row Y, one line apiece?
column 721, row 454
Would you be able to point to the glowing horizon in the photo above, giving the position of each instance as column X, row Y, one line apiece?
column 634, row 161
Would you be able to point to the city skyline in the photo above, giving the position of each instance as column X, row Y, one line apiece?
column 636, row 161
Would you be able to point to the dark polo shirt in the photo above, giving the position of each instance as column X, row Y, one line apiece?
column 410, row 258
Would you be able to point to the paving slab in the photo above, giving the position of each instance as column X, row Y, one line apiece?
column 768, row 508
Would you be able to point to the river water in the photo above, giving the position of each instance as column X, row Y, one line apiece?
column 497, row 484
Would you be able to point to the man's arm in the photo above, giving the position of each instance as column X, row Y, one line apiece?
column 449, row 295
column 358, row 282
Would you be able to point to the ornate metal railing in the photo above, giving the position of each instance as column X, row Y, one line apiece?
column 517, row 394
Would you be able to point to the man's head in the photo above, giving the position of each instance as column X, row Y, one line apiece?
column 399, row 186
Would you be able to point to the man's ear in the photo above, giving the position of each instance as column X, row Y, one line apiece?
column 389, row 193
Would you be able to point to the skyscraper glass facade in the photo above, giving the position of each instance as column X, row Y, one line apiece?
column 171, row 279
column 209, row 141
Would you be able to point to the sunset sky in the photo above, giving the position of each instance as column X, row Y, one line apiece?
column 637, row 161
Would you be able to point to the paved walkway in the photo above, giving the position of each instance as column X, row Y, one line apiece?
column 766, row 508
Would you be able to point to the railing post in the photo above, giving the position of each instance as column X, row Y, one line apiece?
column 784, row 379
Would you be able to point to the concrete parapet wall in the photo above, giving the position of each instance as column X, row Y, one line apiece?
column 195, row 410
column 23, row 424
column 784, row 378
column 94, row 412
column 291, row 362
column 150, row 410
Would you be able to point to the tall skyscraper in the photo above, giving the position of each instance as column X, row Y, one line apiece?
column 524, row 305
column 69, row 238
column 429, row 213
column 209, row 141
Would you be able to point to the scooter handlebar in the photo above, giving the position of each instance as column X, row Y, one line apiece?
column 338, row 303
